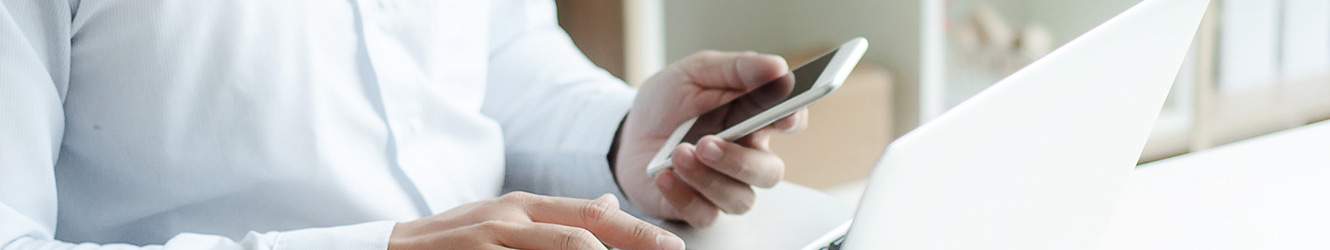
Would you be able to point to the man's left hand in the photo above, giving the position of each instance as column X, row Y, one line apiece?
column 714, row 175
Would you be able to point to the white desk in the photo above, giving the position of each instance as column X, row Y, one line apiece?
column 1269, row 192
column 787, row 216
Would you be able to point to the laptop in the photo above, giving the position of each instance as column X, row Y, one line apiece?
column 1037, row 160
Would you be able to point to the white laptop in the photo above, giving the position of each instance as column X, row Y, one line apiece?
column 1037, row 160
column 1034, row 162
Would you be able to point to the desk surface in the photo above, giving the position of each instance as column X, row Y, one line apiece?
column 1269, row 192
column 787, row 216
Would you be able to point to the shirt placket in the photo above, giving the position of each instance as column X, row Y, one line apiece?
column 397, row 98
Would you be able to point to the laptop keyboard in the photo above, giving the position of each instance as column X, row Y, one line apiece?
column 835, row 244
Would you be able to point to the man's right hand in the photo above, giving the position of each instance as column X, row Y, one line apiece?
column 521, row 220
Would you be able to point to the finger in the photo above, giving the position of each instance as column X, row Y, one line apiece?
column 603, row 218
column 688, row 204
column 733, row 70
column 730, row 195
column 794, row 123
column 675, row 192
column 542, row 236
column 761, row 139
column 755, row 167
column 790, row 124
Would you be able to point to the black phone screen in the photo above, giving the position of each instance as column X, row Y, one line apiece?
column 773, row 93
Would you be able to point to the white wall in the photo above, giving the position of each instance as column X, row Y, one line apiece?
column 1069, row 18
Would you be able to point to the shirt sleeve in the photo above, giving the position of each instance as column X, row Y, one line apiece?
column 34, row 73
column 559, row 112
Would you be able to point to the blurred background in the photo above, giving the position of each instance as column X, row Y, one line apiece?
column 1256, row 66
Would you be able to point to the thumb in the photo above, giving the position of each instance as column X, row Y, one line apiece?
column 743, row 71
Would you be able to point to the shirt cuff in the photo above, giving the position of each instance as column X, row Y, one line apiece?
column 585, row 172
column 599, row 120
column 371, row 235
column 600, row 123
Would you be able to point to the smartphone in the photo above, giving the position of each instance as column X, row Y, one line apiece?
column 767, row 104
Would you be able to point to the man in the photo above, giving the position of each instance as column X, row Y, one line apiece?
column 359, row 124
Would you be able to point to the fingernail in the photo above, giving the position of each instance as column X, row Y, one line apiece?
column 711, row 151
column 669, row 242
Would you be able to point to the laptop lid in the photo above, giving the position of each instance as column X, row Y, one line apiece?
column 1037, row 160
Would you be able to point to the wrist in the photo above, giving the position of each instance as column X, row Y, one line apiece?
column 395, row 238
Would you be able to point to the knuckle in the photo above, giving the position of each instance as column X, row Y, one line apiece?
column 746, row 169
column 702, row 56
column 745, row 201
column 761, row 172
column 707, row 53
column 577, row 238
column 596, row 212
column 643, row 231
column 711, row 180
column 493, row 226
column 516, row 197
column 695, row 176
column 466, row 236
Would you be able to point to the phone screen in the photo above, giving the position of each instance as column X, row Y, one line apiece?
column 773, row 93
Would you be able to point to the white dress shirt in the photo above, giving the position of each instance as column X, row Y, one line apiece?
column 302, row 124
